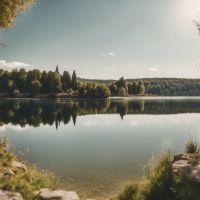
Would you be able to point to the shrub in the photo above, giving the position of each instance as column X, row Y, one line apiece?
column 15, row 93
column 157, row 185
column 102, row 91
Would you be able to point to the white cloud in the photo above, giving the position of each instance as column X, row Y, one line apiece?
column 112, row 54
column 13, row 65
column 153, row 69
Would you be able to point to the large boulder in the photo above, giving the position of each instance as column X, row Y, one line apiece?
column 189, row 164
column 5, row 195
column 46, row 194
column 181, row 162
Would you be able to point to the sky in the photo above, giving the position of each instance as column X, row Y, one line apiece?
column 107, row 39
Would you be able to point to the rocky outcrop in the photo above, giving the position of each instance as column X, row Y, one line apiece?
column 43, row 194
column 8, row 172
column 5, row 195
column 16, row 166
column 189, row 163
column 46, row 194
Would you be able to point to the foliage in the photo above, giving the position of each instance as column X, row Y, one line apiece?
column 74, row 80
column 192, row 146
column 172, row 86
column 122, row 88
column 25, row 182
column 35, row 87
column 197, row 24
column 157, row 185
column 15, row 93
column 162, row 86
column 66, row 80
column 122, row 92
column 160, row 183
column 102, row 91
column 136, row 88
column 10, row 9
column 140, row 88
column 184, row 189
column 35, row 82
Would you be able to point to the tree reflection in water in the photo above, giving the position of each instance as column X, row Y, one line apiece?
column 52, row 112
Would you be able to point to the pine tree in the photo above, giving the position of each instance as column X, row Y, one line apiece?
column 57, row 70
column 74, row 80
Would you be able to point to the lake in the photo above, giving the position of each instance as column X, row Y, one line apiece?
column 97, row 146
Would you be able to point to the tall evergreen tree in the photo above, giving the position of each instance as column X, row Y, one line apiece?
column 66, row 80
column 57, row 70
column 74, row 80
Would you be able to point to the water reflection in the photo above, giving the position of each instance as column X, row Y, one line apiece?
column 52, row 112
column 108, row 146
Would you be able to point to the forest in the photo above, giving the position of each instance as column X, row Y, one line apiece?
column 172, row 86
column 164, row 86
column 36, row 83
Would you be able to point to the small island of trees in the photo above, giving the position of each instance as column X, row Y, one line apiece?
column 36, row 83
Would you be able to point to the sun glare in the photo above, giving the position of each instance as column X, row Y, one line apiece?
column 188, row 9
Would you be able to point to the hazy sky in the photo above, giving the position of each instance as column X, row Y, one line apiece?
column 107, row 38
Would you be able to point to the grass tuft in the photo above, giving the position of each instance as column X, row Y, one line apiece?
column 192, row 146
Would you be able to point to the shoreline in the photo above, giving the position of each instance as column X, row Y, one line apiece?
column 65, row 96
column 168, row 176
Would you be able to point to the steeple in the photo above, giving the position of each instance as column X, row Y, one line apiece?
column 57, row 70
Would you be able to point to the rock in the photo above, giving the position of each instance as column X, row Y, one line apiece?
column 194, row 173
column 185, row 162
column 16, row 166
column 184, row 156
column 5, row 195
column 46, row 194
column 8, row 172
column 182, row 161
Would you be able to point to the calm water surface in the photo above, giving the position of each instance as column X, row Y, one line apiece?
column 96, row 146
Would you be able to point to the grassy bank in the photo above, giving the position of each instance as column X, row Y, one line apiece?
column 162, row 184
column 22, row 178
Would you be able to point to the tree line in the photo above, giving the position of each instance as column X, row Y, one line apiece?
column 163, row 86
column 35, row 82
column 122, row 88
column 172, row 86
